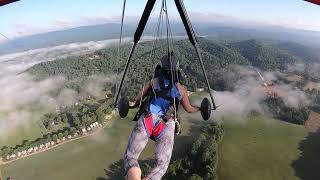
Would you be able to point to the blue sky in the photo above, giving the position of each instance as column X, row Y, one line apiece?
column 36, row 16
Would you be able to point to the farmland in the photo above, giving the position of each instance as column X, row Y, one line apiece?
column 88, row 158
column 262, row 148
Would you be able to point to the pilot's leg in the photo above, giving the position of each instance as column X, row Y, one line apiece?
column 163, row 152
column 137, row 142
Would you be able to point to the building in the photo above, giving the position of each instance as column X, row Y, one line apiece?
column 200, row 89
column 30, row 150
column 83, row 130
column 47, row 144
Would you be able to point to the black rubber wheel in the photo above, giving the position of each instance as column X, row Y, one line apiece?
column 205, row 109
column 123, row 107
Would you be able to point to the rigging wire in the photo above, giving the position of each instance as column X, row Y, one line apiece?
column 152, row 54
column 120, row 42
column 174, row 75
column 168, row 31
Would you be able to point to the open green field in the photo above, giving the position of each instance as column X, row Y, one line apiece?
column 30, row 130
column 252, row 149
column 262, row 149
column 88, row 158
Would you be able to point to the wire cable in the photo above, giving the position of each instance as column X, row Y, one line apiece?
column 118, row 64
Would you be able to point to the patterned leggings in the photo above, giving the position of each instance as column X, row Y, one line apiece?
column 163, row 149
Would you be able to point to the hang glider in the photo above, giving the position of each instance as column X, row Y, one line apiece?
column 314, row 1
column 5, row 2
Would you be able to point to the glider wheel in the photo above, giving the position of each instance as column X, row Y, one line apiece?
column 205, row 109
column 123, row 107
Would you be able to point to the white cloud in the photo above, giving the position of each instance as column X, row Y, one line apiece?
column 23, row 98
column 209, row 17
column 63, row 22
column 31, row 57
column 249, row 93
column 23, row 29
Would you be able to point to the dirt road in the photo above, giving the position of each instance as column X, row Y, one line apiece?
column 313, row 123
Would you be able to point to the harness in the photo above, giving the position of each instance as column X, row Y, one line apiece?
column 159, row 107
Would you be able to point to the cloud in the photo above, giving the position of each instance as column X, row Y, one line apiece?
column 209, row 17
column 25, row 99
column 63, row 22
column 94, row 84
column 31, row 57
column 242, row 101
column 294, row 97
column 249, row 93
column 25, row 29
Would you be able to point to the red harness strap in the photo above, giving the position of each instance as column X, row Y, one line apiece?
column 155, row 130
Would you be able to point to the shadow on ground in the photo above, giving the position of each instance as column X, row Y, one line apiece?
column 308, row 164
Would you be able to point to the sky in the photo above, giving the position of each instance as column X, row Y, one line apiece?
column 37, row 16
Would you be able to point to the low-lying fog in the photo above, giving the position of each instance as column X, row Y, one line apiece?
column 22, row 98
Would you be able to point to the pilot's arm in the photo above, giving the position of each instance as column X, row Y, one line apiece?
column 142, row 93
column 185, row 102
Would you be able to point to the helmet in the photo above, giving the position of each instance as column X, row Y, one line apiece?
column 166, row 65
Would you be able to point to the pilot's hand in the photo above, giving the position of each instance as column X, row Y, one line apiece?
column 132, row 104
column 199, row 108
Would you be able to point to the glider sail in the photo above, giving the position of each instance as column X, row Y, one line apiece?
column 314, row 1
column 5, row 2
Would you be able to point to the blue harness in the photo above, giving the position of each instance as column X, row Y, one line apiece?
column 163, row 98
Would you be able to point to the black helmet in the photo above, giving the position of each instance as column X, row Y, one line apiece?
column 166, row 65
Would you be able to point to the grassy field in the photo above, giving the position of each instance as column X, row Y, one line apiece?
column 33, row 127
column 31, row 130
column 252, row 149
column 262, row 149
column 87, row 158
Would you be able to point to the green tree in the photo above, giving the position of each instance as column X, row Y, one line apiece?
column 66, row 133
column 64, row 118
column 60, row 135
column 55, row 137
column 73, row 130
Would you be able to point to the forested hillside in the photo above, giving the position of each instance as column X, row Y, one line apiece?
column 224, row 64
column 299, row 50
column 264, row 57
column 220, row 61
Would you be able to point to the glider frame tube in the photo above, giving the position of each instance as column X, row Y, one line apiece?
column 125, row 72
column 137, row 36
column 192, row 38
